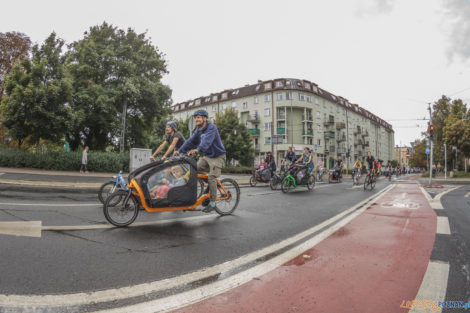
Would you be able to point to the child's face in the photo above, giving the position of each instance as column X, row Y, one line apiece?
column 177, row 171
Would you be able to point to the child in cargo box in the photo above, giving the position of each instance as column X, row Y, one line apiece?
column 161, row 191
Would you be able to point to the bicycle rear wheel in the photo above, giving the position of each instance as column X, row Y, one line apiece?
column 311, row 182
column 226, row 207
column 366, row 182
column 121, row 212
column 106, row 190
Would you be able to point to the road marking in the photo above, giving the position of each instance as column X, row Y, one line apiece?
column 468, row 194
column 1, row 174
column 198, row 294
column 443, row 225
column 165, row 284
column 50, row 204
column 26, row 229
column 434, row 285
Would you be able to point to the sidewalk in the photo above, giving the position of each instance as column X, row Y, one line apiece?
column 30, row 179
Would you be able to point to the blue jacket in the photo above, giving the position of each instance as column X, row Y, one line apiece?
column 206, row 140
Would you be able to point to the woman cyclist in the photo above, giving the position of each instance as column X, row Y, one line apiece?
column 307, row 158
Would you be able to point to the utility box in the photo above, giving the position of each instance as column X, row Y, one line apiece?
column 139, row 157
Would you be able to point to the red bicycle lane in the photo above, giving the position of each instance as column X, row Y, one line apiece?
column 372, row 264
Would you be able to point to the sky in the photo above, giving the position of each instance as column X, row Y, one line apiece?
column 391, row 57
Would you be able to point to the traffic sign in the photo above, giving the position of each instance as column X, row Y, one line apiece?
column 316, row 147
column 427, row 151
column 428, row 143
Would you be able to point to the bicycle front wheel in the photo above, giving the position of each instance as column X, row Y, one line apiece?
column 366, row 182
column 311, row 182
column 123, row 211
column 106, row 190
column 232, row 193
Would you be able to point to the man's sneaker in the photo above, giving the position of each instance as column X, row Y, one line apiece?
column 209, row 208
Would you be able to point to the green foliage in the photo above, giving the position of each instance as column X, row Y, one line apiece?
column 113, row 69
column 237, row 170
column 419, row 158
column 65, row 161
column 235, row 136
column 394, row 163
column 37, row 95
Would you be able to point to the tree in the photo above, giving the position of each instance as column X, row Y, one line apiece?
column 114, row 69
column 457, row 128
column 419, row 158
column 38, row 92
column 14, row 47
column 237, row 140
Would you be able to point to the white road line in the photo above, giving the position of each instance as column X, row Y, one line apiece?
column 137, row 224
column 146, row 288
column 434, row 285
column 443, row 225
column 468, row 194
column 439, row 196
column 21, row 228
column 51, row 204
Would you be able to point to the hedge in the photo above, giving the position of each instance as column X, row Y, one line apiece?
column 64, row 161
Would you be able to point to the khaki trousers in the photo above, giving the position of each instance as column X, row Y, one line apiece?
column 214, row 165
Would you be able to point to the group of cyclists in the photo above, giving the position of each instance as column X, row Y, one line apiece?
column 206, row 140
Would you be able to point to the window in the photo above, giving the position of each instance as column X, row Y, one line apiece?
column 214, row 108
column 279, row 96
column 267, row 126
column 245, row 105
column 191, row 104
column 288, row 95
column 307, row 85
column 318, row 127
column 267, row 112
column 182, row 105
column 324, row 103
column 207, row 99
column 267, row 140
column 258, row 87
column 235, row 92
column 234, row 104
column 315, row 89
column 337, row 109
column 319, row 142
column 317, row 101
column 256, row 100
column 309, row 98
column 279, row 84
column 198, row 101
column 318, row 114
column 267, row 86
column 267, row 98
column 224, row 106
column 310, row 141
column 224, row 95
column 157, row 186
column 301, row 97
column 214, row 98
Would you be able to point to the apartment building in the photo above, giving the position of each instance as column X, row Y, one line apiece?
column 401, row 155
column 287, row 112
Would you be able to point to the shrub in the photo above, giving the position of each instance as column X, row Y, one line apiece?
column 64, row 161
column 237, row 170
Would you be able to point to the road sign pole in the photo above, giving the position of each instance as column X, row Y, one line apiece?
column 432, row 145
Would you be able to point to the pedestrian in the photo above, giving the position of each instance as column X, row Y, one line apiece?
column 84, row 167
column 270, row 162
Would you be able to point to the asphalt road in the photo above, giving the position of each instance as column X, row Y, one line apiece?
column 88, row 260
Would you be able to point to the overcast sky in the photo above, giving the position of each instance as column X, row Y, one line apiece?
column 391, row 57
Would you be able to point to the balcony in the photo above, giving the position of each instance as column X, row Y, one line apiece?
column 357, row 131
column 254, row 131
column 307, row 118
column 307, row 133
column 330, row 134
column 331, row 149
column 342, row 150
column 365, row 134
column 340, row 125
column 281, row 131
column 341, row 138
column 365, row 144
column 253, row 119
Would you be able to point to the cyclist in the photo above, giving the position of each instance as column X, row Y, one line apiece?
column 290, row 155
column 370, row 161
column 357, row 166
column 307, row 158
column 175, row 139
column 339, row 167
column 270, row 162
column 206, row 139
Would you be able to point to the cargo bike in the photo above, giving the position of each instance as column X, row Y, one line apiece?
column 170, row 185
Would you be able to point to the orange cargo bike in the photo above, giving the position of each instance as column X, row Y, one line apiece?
column 170, row 185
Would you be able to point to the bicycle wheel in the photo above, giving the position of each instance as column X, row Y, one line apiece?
column 252, row 181
column 226, row 207
column 372, row 183
column 117, row 212
column 366, row 182
column 274, row 182
column 286, row 185
column 105, row 190
column 311, row 182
